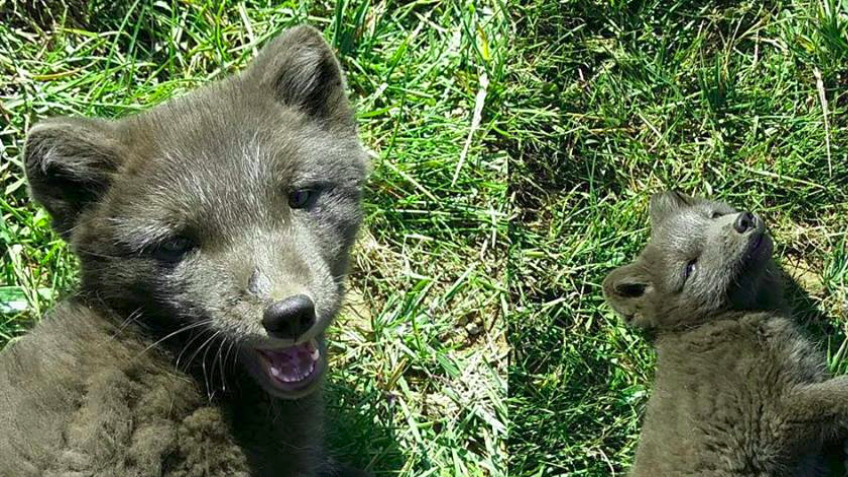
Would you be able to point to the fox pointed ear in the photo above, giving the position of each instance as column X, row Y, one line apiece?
column 664, row 204
column 627, row 289
column 69, row 164
column 300, row 70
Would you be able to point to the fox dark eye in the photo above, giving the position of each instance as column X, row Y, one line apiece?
column 716, row 215
column 173, row 249
column 302, row 198
column 690, row 269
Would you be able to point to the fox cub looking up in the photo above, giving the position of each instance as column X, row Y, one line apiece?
column 213, row 233
column 738, row 391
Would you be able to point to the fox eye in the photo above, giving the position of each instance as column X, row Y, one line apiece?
column 690, row 269
column 173, row 249
column 716, row 215
column 302, row 198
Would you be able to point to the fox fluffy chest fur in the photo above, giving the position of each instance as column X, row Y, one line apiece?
column 213, row 233
column 720, row 403
column 127, row 411
column 738, row 390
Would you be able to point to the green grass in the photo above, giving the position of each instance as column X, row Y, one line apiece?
column 618, row 100
column 419, row 381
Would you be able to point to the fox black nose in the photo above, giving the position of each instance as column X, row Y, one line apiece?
column 289, row 318
column 744, row 222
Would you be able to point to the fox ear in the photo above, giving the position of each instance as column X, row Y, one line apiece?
column 627, row 289
column 69, row 164
column 300, row 70
column 666, row 203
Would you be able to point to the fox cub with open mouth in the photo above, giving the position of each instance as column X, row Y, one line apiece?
column 738, row 391
column 213, row 234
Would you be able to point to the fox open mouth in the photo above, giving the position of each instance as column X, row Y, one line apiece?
column 755, row 244
column 758, row 250
column 293, row 368
column 758, row 242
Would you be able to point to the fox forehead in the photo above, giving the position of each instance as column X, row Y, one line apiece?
column 227, row 139
column 200, row 151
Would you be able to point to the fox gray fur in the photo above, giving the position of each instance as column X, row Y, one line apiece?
column 213, row 234
column 738, row 391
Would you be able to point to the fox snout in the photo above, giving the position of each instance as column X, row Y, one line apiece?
column 289, row 318
column 288, row 310
column 286, row 318
column 750, row 226
column 744, row 222
column 747, row 222
column 754, row 243
column 739, row 227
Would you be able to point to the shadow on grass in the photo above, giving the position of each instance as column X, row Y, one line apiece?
column 806, row 311
column 357, row 421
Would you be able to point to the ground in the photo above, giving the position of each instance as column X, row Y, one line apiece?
column 419, row 364
column 737, row 100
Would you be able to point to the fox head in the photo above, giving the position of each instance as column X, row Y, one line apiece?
column 703, row 258
column 228, row 212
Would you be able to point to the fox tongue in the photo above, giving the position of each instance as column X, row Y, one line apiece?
column 293, row 364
